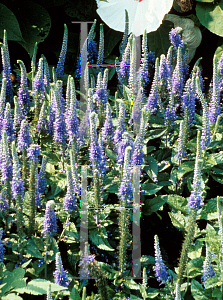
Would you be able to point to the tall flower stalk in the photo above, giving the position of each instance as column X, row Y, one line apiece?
column 194, row 203
column 17, row 190
column 62, row 57
column 33, row 154
column 125, row 196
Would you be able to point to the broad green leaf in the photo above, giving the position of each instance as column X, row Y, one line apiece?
column 99, row 240
column 10, row 23
column 11, row 296
column 74, row 295
column 39, row 287
column 111, row 154
column 13, row 280
column 212, row 282
column 216, row 293
column 177, row 202
column 178, row 220
column 185, row 168
column 131, row 284
column 197, row 290
column 32, row 250
column 158, row 41
column 35, row 24
column 147, row 259
column 152, row 205
column 112, row 38
column 195, row 251
column 210, row 15
column 194, row 267
column 150, row 188
column 52, row 158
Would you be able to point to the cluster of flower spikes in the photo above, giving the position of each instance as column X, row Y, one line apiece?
column 60, row 276
column 160, row 268
column 208, row 270
column 50, row 220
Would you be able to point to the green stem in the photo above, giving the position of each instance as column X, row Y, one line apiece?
column 186, row 245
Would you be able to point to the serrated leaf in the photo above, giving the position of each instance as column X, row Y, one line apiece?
column 178, row 220
column 150, row 188
column 13, row 280
column 152, row 205
column 11, row 296
column 101, row 242
column 185, row 168
column 32, row 250
column 52, row 158
column 10, row 23
column 39, row 287
column 176, row 201
column 131, row 284
column 197, row 290
column 210, row 15
column 74, row 295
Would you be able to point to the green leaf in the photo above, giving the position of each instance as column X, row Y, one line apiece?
column 11, row 296
column 194, row 267
column 178, row 220
column 185, row 168
column 197, row 290
column 10, row 23
column 150, row 188
column 131, row 284
column 147, row 259
column 52, row 158
column 32, row 250
column 39, row 287
column 35, row 24
column 152, row 205
column 210, row 15
column 112, row 38
column 158, row 41
column 216, row 293
column 13, row 280
column 100, row 240
column 111, row 154
column 195, row 251
column 74, row 295
column 176, row 202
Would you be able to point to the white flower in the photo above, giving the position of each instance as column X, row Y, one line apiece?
column 142, row 14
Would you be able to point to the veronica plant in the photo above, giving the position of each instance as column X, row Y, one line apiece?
column 23, row 92
column 38, row 88
column 60, row 276
column 62, row 57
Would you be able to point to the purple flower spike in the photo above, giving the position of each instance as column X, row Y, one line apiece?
column 175, row 38
column 160, row 268
column 7, row 123
column 1, row 247
column 50, row 221
column 3, row 201
column 17, row 183
column 33, row 153
column 60, row 276
column 23, row 92
column 62, row 57
column 70, row 199
column 6, row 162
column 24, row 140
